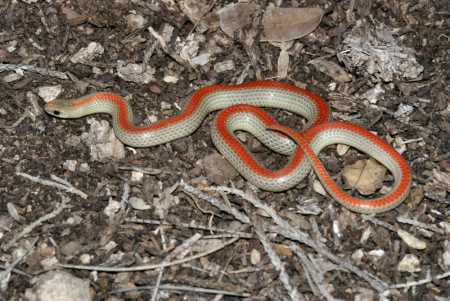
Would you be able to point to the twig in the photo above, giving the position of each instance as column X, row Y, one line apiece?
column 295, row 234
column 426, row 280
column 66, row 186
column 190, row 226
column 42, row 71
column 144, row 170
column 59, row 208
column 215, row 202
column 376, row 221
column 277, row 263
column 22, row 117
column 6, row 274
column 148, row 266
column 313, row 273
column 416, row 223
column 17, row 271
column 185, row 288
column 179, row 251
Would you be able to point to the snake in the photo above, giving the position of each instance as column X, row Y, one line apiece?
column 240, row 109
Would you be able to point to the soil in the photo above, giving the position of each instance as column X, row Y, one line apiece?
column 47, row 35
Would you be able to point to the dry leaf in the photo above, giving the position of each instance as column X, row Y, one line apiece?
column 236, row 16
column 195, row 9
column 289, row 23
column 365, row 175
column 332, row 69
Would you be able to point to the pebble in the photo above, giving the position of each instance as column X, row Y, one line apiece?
column 135, row 22
column 255, row 257
column 48, row 93
column 446, row 254
column 224, row 66
column 70, row 165
column 218, row 170
column 409, row 263
column 61, row 286
column 411, row 240
column 138, row 204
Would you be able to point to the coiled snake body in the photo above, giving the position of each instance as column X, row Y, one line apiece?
column 240, row 110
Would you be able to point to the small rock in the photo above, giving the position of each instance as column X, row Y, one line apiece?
column 136, row 176
column 12, row 77
column 410, row 263
column 411, row 240
column 318, row 187
column 48, row 93
column 138, row 203
column 365, row 175
column 135, row 22
column 357, row 256
column 170, row 79
column 61, row 286
column 255, row 257
column 218, row 170
column 112, row 208
column 84, row 167
column 87, row 54
column 342, row 149
column 70, row 165
column 446, row 254
column 86, row 258
column 136, row 73
column 376, row 254
column 102, row 141
column 71, row 248
column 224, row 66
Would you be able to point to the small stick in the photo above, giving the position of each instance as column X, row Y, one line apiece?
column 182, row 288
column 148, row 266
column 58, row 184
column 426, row 280
column 277, row 263
column 59, row 208
column 42, row 71
column 190, row 226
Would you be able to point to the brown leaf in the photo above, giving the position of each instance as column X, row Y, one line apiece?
column 285, row 24
column 236, row 16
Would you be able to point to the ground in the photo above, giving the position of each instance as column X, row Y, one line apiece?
column 64, row 201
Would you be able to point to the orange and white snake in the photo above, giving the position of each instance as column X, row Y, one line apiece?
column 240, row 110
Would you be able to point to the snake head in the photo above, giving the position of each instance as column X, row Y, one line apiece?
column 61, row 108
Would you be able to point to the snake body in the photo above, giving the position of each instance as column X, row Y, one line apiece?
column 240, row 110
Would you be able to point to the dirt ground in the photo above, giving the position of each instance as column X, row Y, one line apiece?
column 72, row 194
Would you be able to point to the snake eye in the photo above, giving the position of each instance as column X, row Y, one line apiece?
column 56, row 113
